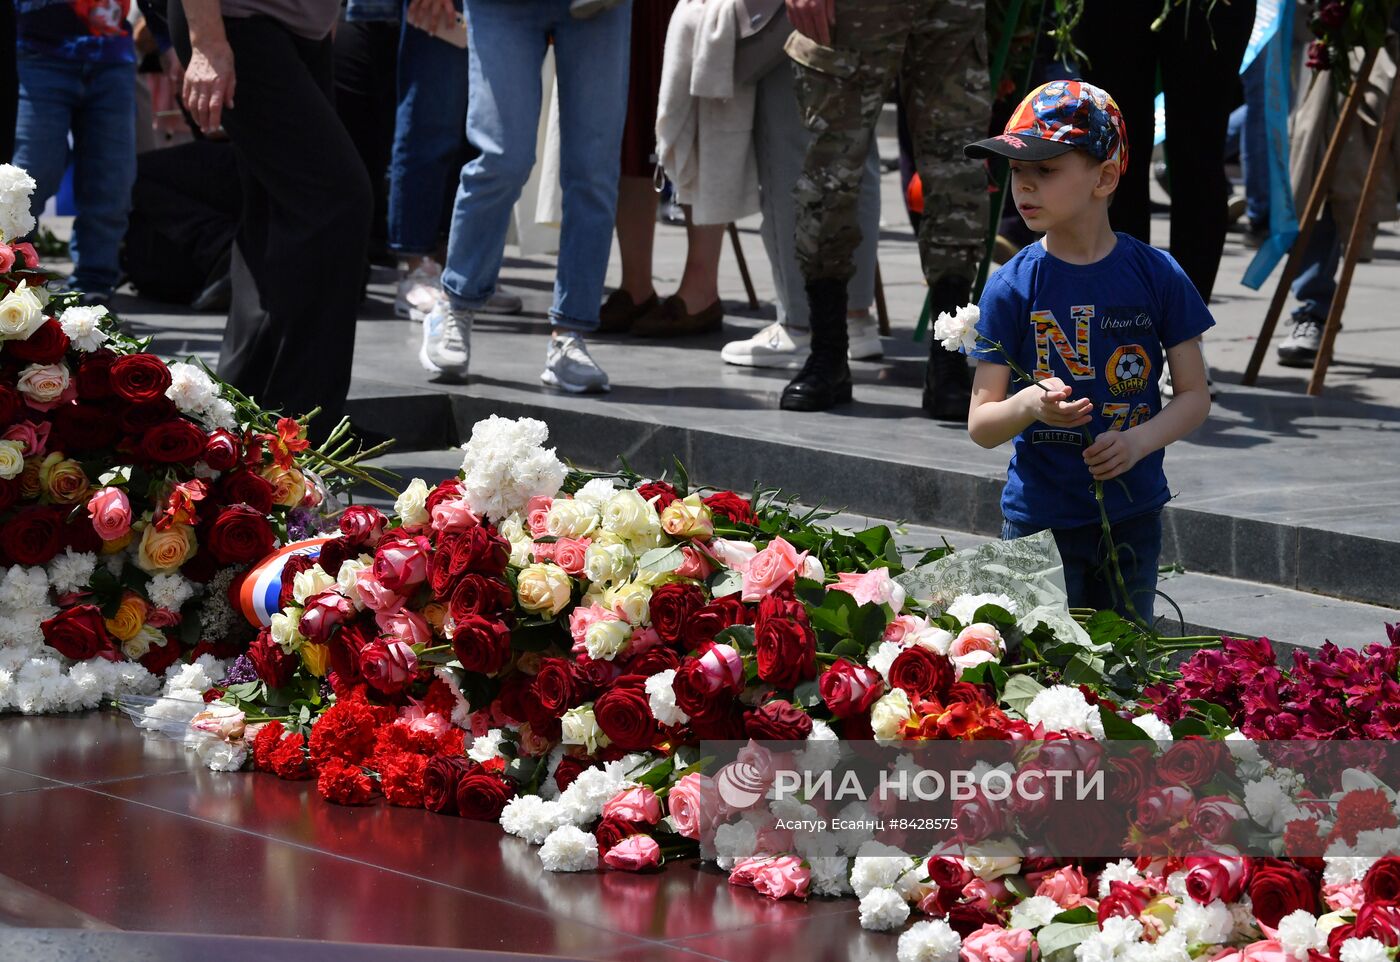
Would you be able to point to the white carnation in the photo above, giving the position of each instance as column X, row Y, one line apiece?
column 964, row 607
column 15, row 187
column 1204, row 924
column 532, row 818
column 221, row 756
column 1156, row 729
column 488, row 746
column 24, row 588
column 71, row 570
column 596, row 493
column 733, row 841
column 505, row 464
column 1034, row 912
column 929, row 941
column 1268, row 804
column 569, row 849
column 882, row 656
column 822, row 751
column 586, row 795
column 1299, row 935
column 1364, row 950
column 1122, row 870
column 1117, row 940
column 877, row 866
column 82, row 325
column 661, row 696
column 1061, row 708
column 169, row 591
column 958, row 331
column 882, row 910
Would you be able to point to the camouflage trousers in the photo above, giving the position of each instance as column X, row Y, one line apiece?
column 937, row 52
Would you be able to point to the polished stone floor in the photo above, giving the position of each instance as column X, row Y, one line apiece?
column 106, row 831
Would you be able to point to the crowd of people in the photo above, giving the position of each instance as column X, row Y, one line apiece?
column 327, row 133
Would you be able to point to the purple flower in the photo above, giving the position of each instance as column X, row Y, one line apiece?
column 240, row 672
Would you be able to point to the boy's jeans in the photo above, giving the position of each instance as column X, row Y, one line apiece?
column 1087, row 580
column 428, row 138
column 508, row 40
column 97, row 102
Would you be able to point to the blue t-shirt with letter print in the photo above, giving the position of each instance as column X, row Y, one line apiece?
column 1103, row 329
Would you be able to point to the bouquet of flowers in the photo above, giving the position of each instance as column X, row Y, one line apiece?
column 134, row 493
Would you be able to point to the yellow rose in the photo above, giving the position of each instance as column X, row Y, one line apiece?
column 29, row 484
column 161, row 552
column 130, row 616
column 112, row 547
column 288, row 486
column 63, row 479
column 435, row 615
column 688, row 519
column 145, row 639
column 11, row 459
column 314, row 657
column 544, row 589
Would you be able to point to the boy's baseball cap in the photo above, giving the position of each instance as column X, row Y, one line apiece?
column 1057, row 117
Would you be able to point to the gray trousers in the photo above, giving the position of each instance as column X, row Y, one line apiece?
column 780, row 141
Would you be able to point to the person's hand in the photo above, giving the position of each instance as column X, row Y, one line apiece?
column 173, row 69
column 1112, row 454
column 209, row 84
column 431, row 15
column 813, row 18
column 1049, row 402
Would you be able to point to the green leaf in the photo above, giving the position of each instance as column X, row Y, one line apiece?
column 1058, row 939
column 656, row 777
column 1214, row 712
column 1084, row 668
column 247, row 691
column 726, row 582
column 1078, row 916
column 1019, row 692
column 807, row 695
column 868, row 623
column 740, row 636
column 994, row 615
column 662, row 560
column 875, row 539
column 1120, row 729
column 1190, row 726
column 848, row 648
column 989, row 672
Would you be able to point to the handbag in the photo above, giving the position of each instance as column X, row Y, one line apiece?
column 763, row 31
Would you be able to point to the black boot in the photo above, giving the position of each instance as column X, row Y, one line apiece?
column 825, row 380
column 947, row 379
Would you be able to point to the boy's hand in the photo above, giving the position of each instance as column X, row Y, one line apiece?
column 1114, row 453
column 1049, row 402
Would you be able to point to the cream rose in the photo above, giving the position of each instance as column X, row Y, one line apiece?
column 688, row 519
column 11, row 459
column 288, row 486
column 579, row 727
column 608, row 560
column 164, row 551
column 605, row 640
column 544, row 589
column 43, row 383
column 144, row 640
column 889, row 715
column 312, row 581
column 284, row 630
column 63, row 480
column 412, row 505
column 348, row 576
column 571, row 519
column 21, row 313
column 628, row 515
column 631, row 601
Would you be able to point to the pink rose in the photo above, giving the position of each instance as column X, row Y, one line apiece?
column 1344, row 896
column 453, row 517
column 416, row 718
column 402, row 563
column 323, row 614
column 735, row 555
column 745, row 869
column 749, row 777
column 373, row 593
column 1214, row 877
column 635, row 853
column 902, row 630
column 162, row 618
column 695, row 805
column 34, row 437
column 638, row 804
column 695, row 565
column 783, row 878
column 570, row 554
column 111, row 514
column 26, row 250
column 1162, row 807
column 770, row 569
column 642, row 639
column 722, row 667
column 388, row 665
column 976, row 644
column 542, row 551
column 871, row 588
column 1068, row 887
column 584, row 618
column 1270, row 950
column 1214, row 818
column 7, row 259
column 985, row 894
column 992, row 943
column 405, row 626
column 46, row 386
column 537, row 515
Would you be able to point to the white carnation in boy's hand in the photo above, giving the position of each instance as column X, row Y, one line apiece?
column 81, row 325
column 958, row 331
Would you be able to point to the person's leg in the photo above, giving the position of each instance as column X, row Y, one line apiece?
column 9, row 83
column 1139, row 545
column 1314, row 287
column 948, row 104
column 104, row 151
column 636, row 235
column 365, row 60
column 1254, row 146
column 1199, row 64
column 1122, row 49
column 1079, row 558
column 49, row 93
column 699, row 287
column 591, row 58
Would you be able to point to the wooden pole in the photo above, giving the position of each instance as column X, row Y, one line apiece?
column 1308, row 222
column 1380, row 157
column 743, row 267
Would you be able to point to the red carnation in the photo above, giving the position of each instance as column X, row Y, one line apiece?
column 78, row 632
column 732, row 506
column 175, row 442
column 624, row 714
column 34, row 535
column 921, row 673
column 46, row 345
column 288, row 760
column 140, row 377
column 481, row 644
column 344, row 783
column 401, row 778
column 671, row 606
column 240, row 535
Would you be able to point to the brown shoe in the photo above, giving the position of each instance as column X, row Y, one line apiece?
column 674, row 320
column 620, row 312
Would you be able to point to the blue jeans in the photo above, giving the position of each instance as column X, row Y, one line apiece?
column 1317, row 278
column 97, row 103
column 1087, row 580
column 1249, row 132
column 508, row 42
column 428, row 138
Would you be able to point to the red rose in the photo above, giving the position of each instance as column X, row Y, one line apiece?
column 671, row 606
column 1279, row 888
column 137, row 419
column 480, row 595
column 624, row 714
column 966, row 918
column 696, row 694
column 221, row 450
column 245, row 487
column 323, row 614
column 83, row 427
column 653, row 661
column 921, row 673
column 1193, row 762
column 160, row 657
column 11, row 404
column 1382, row 882
column 777, row 721
column 47, row 345
column 440, row 780
column 1215, row 818
column 294, row 566
column 389, row 666
column 94, row 375
column 1374, row 920
column 481, row 644
column 240, row 535
column 448, row 490
column 1127, row 901
column 1131, row 774
column 567, row 770
column 9, row 493
column 363, row 524
column 613, row 829
column 480, row 550
column 401, row 564
column 272, row 664
column 1210, row 877
column 78, row 632
column 661, row 491
column 34, row 535
column 592, row 676
column 1162, row 807
column 174, row 442
column 849, row 689
column 140, row 377
column 482, row 795
column 949, row 872
column 553, row 691
column 787, row 648
column 732, row 506
column 706, row 622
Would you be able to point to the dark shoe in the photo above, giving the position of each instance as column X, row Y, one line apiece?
column 1256, row 235
column 947, row 379
column 620, row 312
column 675, row 320
column 1300, row 347
column 825, row 379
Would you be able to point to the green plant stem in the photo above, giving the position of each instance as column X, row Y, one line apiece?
column 355, row 473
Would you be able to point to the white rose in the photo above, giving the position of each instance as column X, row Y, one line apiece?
column 571, row 519
column 608, row 560
column 285, row 630
column 11, row 459
column 889, row 714
column 579, row 727
column 544, row 589
column 312, row 581
column 412, row 505
column 513, row 529
column 605, row 640
column 631, row 601
column 43, row 383
column 144, row 639
column 349, row 573
column 21, row 313
column 628, row 515
column 522, row 552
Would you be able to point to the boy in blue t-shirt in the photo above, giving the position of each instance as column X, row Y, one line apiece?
column 1089, row 314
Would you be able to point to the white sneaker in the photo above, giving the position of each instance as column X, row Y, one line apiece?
column 774, row 346
column 446, row 349
column 419, row 290
column 1164, row 386
column 569, row 367
column 864, row 334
